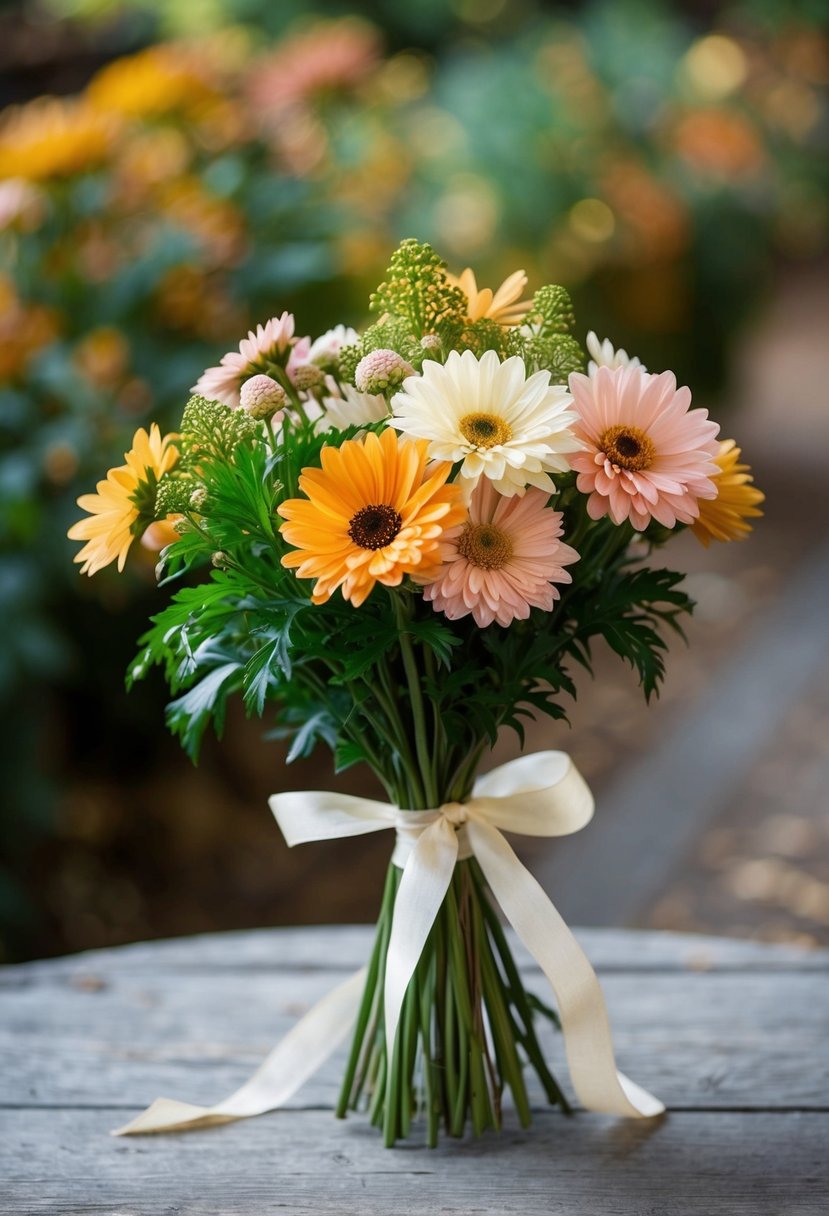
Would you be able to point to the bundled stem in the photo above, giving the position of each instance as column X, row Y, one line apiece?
column 465, row 1025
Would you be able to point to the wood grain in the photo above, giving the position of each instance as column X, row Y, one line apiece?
column 731, row 1035
column 64, row 1163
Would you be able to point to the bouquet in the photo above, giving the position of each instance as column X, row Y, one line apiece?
column 400, row 542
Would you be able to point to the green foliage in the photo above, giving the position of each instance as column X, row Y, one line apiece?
column 544, row 341
column 174, row 493
column 417, row 289
column 557, row 353
column 212, row 427
column 628, row 609
column 552, row 311
column 486, row 334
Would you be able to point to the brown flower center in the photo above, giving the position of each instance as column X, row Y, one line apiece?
column 484, row 430
column 374, row 527
column 485, row 545
column 628, row 448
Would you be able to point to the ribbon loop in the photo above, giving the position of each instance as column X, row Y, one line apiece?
column 537, row 795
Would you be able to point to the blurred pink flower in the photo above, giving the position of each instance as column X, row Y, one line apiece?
column 20, row 200
column 504, row 560
column 266, row 346
column 325, row 57
column 647, row 455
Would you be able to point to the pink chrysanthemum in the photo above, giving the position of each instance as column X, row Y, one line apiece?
column 267, row 345
column 646, row 454
column 504, row 560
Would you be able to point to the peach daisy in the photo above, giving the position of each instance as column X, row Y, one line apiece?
column 737, row 501
column 124, row 503
column 372, row 515
column 505, row 560
column 646, row 454
column 256, row 352
column 504, row 305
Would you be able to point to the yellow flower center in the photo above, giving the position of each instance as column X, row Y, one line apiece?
column 485, row 545
column 484, row 430
column 628, row 448
column 374, row 527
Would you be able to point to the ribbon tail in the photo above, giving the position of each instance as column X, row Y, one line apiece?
column 423, row 886
column 304, row 1049
column 581, row 1004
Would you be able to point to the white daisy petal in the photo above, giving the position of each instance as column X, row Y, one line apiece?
column 491, row 417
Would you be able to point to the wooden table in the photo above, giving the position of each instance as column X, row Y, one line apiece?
column 732, row 1036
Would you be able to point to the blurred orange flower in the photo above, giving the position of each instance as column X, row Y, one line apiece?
column 24, row 330
column 719, row 142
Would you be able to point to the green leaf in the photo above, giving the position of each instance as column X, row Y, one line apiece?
column 346, row 754
column 189, row 715
column 317, row 726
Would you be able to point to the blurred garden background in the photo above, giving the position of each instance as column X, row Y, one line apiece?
column 174, row 171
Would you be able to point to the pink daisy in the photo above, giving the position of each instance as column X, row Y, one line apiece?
column 646, row 454
column 504, row 560
column 267, row 345
column 300, row 356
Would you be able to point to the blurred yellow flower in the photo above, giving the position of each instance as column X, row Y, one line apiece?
column 157, row 81
column 724, row 517
column 504, row 306
column 102, row 356
column 123, row 505
column 53, row 137
column 215, row 223
column 149, row 159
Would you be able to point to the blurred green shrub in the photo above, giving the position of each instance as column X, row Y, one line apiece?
column 145, row 224
column 657, row 168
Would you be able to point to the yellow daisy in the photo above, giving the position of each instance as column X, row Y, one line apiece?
column 372, row 514
column 504, row 306
column 53, row 137
column 724, row 517
column 124, row 503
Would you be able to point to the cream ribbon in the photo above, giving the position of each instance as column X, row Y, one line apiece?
column 537, row 795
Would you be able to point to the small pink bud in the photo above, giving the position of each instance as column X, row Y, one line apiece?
column 261, row 397
column 381, row 370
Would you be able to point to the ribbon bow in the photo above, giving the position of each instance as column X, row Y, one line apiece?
column 537, row 795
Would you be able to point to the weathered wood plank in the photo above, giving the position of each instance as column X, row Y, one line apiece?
column 346, row 947
column 64, row 1164
column 114, row 1037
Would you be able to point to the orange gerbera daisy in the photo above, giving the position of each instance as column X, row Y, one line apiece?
column 738, row 499
column 124, row 503
column 372, row 515
column 504, row 306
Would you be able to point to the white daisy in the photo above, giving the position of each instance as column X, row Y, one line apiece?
column 346, row 407
column 491, row 418
column 326, row 349
column 605, row 356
